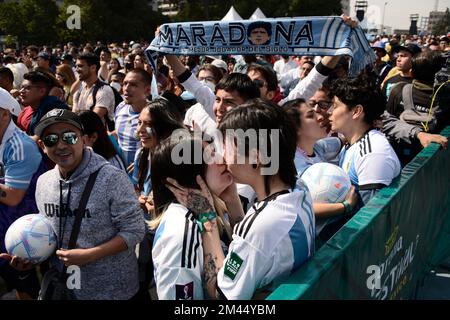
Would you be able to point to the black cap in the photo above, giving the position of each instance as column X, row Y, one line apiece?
column 58, row 116
column 411, row 48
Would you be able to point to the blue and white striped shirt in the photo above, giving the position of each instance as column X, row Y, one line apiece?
column 126, row 120
column 19, row 158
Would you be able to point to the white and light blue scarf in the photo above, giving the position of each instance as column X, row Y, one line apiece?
column 315, row 36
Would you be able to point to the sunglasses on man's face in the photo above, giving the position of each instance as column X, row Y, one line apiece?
column 52, row 139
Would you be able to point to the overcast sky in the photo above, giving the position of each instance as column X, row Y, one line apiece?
column 398, row 11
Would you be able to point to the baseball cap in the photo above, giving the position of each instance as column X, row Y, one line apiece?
column 7, row 102
column 58, row 116
column 410, row 47
column 379, row 45
column 219, row 63
column 44, row 55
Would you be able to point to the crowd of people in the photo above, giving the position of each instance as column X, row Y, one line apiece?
column 203, row 229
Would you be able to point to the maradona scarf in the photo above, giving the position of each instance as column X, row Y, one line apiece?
column 292, row 36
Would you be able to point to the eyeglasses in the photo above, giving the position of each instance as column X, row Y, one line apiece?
column 324, row 105
column 52, row 139
column 259, row 83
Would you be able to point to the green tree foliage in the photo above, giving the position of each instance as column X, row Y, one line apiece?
column 42, row 22
column 111, row 20
column 443, row 26
column 32, row 21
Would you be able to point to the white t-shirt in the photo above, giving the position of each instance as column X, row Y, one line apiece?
column 198, row 114
column 275, row 238
column 370, row 162
column 178, row 256
column 83, row 99
column 281, row 66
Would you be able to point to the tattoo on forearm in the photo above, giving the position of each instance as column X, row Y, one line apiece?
column 198, row 203
column 210, row 268
column 2, row 194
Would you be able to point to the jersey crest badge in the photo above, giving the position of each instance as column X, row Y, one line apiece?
column 233, row 265
column 184, row 291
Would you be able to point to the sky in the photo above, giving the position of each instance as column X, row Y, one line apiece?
column 397, row 12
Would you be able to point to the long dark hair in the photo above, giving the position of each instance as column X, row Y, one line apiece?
column 93, row 124
column 166, row 118
column 163, row 167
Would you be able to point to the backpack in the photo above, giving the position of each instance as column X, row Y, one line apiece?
column 117, row 100
column 413, row 116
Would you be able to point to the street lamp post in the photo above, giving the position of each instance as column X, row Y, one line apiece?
column 382, row 20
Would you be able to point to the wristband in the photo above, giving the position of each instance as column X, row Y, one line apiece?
column 347, row 207
column 201, row 218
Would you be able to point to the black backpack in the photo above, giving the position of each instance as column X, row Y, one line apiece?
column 117, row 100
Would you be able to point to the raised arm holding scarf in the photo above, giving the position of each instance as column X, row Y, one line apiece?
column 315, row 36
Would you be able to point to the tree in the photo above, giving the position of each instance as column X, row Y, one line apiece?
column 110, row 20
column 32, row 21
column 443, row 25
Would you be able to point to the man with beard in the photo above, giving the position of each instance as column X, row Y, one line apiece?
column 103, row 103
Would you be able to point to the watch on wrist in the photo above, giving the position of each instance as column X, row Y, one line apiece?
column 348, row 208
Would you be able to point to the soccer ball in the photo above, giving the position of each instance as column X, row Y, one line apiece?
column 31, row 237
column 326, row 182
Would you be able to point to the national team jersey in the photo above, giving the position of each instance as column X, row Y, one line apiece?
column 178, row 256
column 19, row 158
column 135, row 174
column 20, row 167
column 126, row 121
column 275, row 238
column 371, row 163
column 247, row 195
column 325, row 150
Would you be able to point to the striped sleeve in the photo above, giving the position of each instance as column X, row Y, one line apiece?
column 21, row 159
column 178, row 258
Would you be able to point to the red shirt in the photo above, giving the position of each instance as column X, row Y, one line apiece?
column 24, row 119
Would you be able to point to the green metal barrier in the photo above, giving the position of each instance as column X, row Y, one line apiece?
column 388, row 247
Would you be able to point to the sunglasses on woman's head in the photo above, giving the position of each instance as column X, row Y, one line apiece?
column 52, row 139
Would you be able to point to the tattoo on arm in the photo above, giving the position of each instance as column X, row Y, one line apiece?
column 2, row 194
column 210, row 268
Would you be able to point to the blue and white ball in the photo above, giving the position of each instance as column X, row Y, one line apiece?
column 326, row 182
column 31, row 237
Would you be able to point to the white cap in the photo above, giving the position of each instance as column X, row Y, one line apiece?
column 7, row 102
column 220, row 64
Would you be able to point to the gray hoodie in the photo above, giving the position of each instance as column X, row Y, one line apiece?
column 112, row 210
